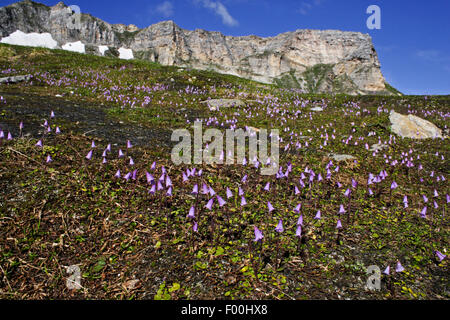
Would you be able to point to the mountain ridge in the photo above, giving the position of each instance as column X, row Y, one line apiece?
column 315, row 61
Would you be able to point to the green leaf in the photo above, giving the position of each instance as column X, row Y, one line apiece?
column 175, row 287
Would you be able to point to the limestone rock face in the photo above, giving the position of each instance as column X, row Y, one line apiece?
column 410, row 126
column 327, row 61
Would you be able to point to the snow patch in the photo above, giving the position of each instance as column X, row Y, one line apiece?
column 75, row 47
column 31, row 39
column 103, row 49
column 126, row 54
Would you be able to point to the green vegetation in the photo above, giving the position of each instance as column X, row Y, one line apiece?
column 130, row 243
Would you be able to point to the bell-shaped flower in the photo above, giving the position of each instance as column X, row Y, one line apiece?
column 210, row 204
column 318, row 215
column 387, row 271
column 399, row 267
column 221, row 201
column 298, row 232
column 229, row 193
column 440, row 255
column 258, row 235
column 191, row 214
column 279, row 227
column 270, row 207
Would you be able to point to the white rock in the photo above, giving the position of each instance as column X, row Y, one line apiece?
column 410, row 126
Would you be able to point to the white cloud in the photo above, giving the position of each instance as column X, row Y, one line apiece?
column 306, row 7
column 165, row 9
column 221, row 11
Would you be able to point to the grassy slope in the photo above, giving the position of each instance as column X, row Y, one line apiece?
column 74, row 211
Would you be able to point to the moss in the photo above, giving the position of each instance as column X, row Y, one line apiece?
column 391, row 89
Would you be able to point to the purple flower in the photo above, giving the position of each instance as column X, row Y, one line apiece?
column 267, row 187
column 354, row 183
column 93, row 146
column 341, row 209
column 435, row 193
column 121, row 154
column 370, row 192
column 10, row 137
column 127, row 176
column 131, row 161
column 347, row 193
column 229, row 193
column 387, row 271
column 298, row 232
column 117, row 175
column 440, row 255
column 152, row 189
column 394, row 185
column 212, row 193
column 300, row 220
column 318, row 215
column 195, row 227
column 297, row 208
column 52, row 115
column 89, row 155
column 168, row 181
column 191, row 214
column 221, row 201
column 159, row 186
column 210, row 204
column 39, row 144
column 399, row 267
column 104, row 161
column 49, row 159
column 243, row 201
column 270, row 207
column 149, row 177
column 169, row 192
column 258, row 235
column 241, row 192
column 195, row 189
column 339, row 225
column 205, row 189
column 134, row 175
column 423, row 214
column 279, row 227
column 21, row 125
column 129, row 145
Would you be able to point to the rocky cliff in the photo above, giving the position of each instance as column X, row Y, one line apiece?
column 312, row 60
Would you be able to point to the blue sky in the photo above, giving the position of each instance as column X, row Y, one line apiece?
column 413, row 43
